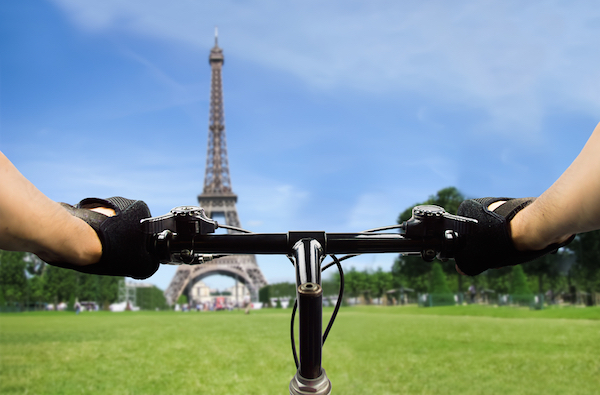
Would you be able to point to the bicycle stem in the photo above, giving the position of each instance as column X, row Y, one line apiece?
column 310, row 377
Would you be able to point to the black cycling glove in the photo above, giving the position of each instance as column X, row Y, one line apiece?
column 123, row 243
column 490, row 245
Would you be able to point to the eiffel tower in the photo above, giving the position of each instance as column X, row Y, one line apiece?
column 217, row 198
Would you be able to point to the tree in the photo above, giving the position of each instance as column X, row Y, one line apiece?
column 37, row 285
column 497, row 279
column 363, row 280
column 182, row 299
column 542, row 268
column 352, row 283
column 264, row 295
column 520, row 292
column 380, row 283
column 438, row 286
column 61, row 284
column 331, row 286
column 282, row 289
column 108, row 289
column 358, row 283
column 438, row 283
column 150, row 298
column 411, row 272
column 586, row 270
column 89, row 288
column 25, row 279
column 13, row 280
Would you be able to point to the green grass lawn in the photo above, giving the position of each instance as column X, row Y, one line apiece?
column 371, row 350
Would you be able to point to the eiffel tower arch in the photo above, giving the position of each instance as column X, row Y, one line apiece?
column 217, row 199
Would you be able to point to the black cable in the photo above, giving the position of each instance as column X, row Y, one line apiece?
column 383, row 228
column 292, row 325
column 336, row 261
column 338, row 304
column 340, row 259
column 335, row 310
column 234, row 228
column 292, row 334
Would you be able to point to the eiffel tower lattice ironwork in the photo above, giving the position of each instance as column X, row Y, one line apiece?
column 217, row 198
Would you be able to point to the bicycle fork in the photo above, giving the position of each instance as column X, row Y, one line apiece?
column 310, row 378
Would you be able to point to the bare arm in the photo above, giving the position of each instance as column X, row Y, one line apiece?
column 30, row 221
column 571, row 205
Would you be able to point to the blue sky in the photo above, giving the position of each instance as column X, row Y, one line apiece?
column 339, row 114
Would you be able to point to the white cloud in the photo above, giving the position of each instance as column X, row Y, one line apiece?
column 382, row 207
column 372, row 210
column 497, row 56
column 152, row 175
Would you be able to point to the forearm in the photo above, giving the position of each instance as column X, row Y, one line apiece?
column 30, row 221
column 571, row 205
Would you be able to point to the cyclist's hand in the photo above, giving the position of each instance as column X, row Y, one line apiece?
column 123, row 243
column 491, row 245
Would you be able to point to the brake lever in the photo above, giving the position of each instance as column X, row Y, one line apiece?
column 433, row 222
column 181, row 223
column 183, row 220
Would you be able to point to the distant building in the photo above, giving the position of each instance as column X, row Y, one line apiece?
column 200, row 293
column 236, row 295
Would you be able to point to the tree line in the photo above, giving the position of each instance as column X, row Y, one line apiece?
column 574, row 269
column 368, row 284
column 28, row 283
column 378, row 286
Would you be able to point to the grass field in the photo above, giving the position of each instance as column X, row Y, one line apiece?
column 371, row 350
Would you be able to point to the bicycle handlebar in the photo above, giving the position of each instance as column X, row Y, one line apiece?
column 282, row 243
column 185, row 236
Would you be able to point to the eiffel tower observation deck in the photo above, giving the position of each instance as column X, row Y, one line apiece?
column 217, row 199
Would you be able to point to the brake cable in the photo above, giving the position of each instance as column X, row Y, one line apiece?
column 336, row 309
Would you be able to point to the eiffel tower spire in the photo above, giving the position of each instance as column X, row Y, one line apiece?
column 217, row 195
column 216, row 179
